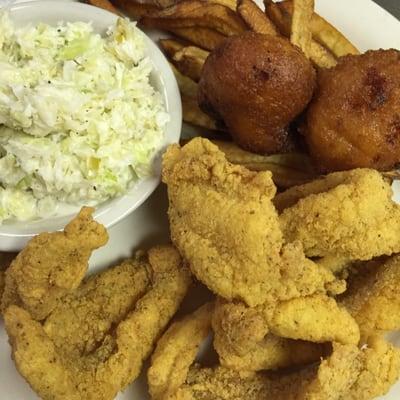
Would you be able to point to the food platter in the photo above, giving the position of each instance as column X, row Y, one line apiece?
column 368, row 26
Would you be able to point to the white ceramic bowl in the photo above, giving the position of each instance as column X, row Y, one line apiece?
column 13, row 236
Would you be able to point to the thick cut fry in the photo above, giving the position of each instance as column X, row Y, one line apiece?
column 189, row 61
column 227, row 3
column 287, row 169
column 322, row 31
column 196, row 13
column 186, row 85
column 255, row 18
column 171, row 46
column 301, row 34
column 276, row 16
column 191, row 111
column 193, row 115
column 105, row 4
column 207, row 39
column 176, row 351
column 135, row 9
column 315, row 51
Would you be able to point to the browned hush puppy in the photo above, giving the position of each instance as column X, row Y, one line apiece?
column 354, row 118
column 257, row 84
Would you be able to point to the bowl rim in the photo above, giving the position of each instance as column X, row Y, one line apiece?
column 14, row 237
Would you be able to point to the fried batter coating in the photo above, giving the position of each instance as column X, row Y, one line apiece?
column 224, row 224
column 316, row 318
column 52, row 264
column 116, row 337
column 348, row 373
column 346, row 214
column 217, row 210
column 275, row 336
column 329, row 381
column 373, row 297
column 80, row 322
column 380, row 370
column 176, row 351
column 354, row 118
column 5, row 261
column 242, row 342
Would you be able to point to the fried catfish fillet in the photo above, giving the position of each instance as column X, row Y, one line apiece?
column 332, row 378
column 380, row 369
column 372, row 297
column 52, row 264
column 5, row 261
column 347, row 214
column 290, row 333
column 243, row 343
column 340, row 376
column 93, row 345
column 176, row 351
column 224, row 224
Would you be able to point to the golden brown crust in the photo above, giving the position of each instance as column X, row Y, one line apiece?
column 93, row 344
column 349, row 214
column 354, row 118
column 372, row 297
column 52, row 264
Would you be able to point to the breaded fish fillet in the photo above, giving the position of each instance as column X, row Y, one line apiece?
column 5, row 261
column 224, row 224
column 293, row 332
column 380, row 370
column 373, row 296
column 347, row 214
column 94, row 345
column 176, row 351
column 218, row 212
column 343, row 375
column 52, row 264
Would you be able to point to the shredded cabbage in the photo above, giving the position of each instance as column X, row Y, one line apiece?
column 80, row 121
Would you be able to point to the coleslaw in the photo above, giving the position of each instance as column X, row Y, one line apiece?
column 80, row 120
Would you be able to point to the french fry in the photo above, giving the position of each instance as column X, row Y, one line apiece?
column 189, row 61
column 287, row 169
column 170, row 46
column 227, row 3
column 322, row 31
column 320, row 56
column 301, row 34
column 275, row 14
column 316, row 52
column 190, row 109
column 105, row 4
column 187, row 86
column 196, row 13
column 134, row 9
column 255, row 18
column 207, row 39
column 193, row 115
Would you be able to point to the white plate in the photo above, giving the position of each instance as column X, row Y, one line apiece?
column 368, row 26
